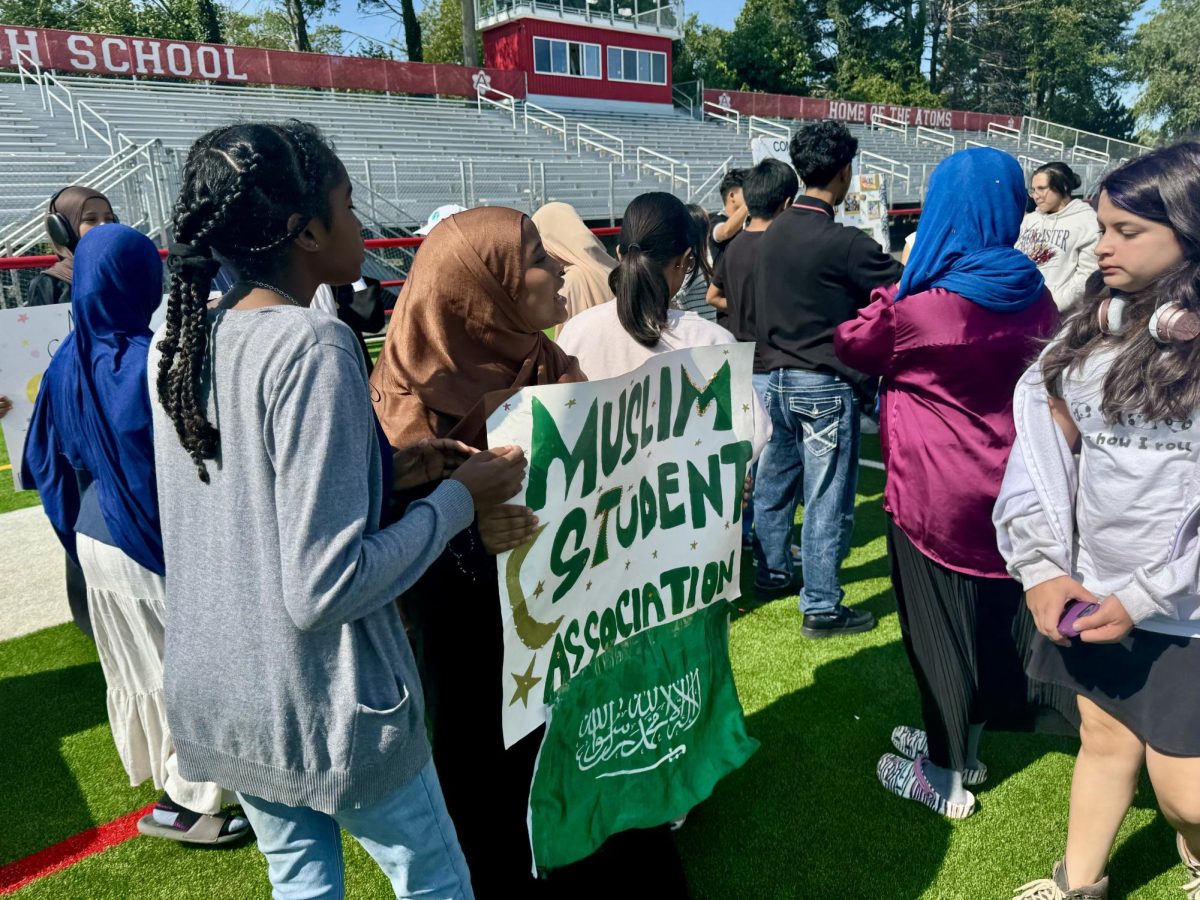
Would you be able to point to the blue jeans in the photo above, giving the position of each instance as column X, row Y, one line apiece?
column 408, row 833
column 814, row 448
column 760, row 381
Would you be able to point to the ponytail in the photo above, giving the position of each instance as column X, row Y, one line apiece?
column 656, row 228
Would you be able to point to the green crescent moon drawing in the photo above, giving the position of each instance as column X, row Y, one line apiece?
column 533, row 634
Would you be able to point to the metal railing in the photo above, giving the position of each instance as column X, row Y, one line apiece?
column 148, row 196
column 933, row 136
column 49, row 87
column 886, row 166
column 706, row 188
column 995, row 129
column 1029, row 163
column 723, row 114
column 580, row 141
column 552, row 122
column 1045, row 143
column 891, row 123
column 1074, row 137
column 507, row 104
column 682, row 99
column 1089, row 155
column 767, row 128
column 970, row 143
column 664, row 166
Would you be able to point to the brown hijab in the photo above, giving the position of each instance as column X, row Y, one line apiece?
column 458, row 345
column 69, row 203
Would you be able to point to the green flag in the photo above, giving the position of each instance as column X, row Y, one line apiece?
column 638, row 738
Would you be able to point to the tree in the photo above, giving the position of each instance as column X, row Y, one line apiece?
column 700, row 55
column 1164, row 58
column 403, row 13
column 442, row 32
column 271, row 30
column 299, row 13
column 774, row 47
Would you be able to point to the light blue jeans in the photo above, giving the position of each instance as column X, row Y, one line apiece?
column 760, row 380
column 409, row 834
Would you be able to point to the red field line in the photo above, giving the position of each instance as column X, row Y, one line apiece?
column 16, row 875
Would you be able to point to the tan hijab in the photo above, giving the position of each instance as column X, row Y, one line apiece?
column 588, row 265
column 69, row 203
column 458, row 345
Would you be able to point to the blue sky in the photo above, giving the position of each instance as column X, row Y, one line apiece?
column 716, row 12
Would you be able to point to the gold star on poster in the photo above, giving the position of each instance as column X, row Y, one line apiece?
column 627, row 562
column 693, row 545
column 726, row 526
column 655, row 554
column 697, row 443
column 588, row 586
column 570, row 403
column 540, row 589
column 745, row 407
column 525, row 684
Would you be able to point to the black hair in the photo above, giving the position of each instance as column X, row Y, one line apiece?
column 820, row 150
column 768, row 186
column 731, row 181
column 656, row 228
column 242, row 184
column 1158, row 381
column 701, row 227
column 1062, row 178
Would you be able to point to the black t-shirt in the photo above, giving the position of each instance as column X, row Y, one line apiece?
column 735, row 275
column 815, row 275
column 46, row 290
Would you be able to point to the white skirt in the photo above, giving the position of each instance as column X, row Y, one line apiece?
column 127, row 603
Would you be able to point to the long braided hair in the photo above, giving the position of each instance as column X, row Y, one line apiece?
column 248, row 192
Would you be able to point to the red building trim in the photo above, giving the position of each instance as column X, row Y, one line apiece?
column 510, row 46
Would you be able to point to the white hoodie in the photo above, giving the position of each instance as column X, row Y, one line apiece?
column 1063, row 244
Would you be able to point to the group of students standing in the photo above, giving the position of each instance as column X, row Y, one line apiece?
column 247, row 506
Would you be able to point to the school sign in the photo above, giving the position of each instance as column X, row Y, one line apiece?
column 615, row 615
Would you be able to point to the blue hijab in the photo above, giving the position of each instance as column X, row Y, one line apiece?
column 93, row 409
column 969, row 224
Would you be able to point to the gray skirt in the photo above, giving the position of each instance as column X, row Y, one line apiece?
column 1149, row 682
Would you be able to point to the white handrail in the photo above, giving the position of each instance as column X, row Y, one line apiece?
column 1045, row 143
column 995, row 129
column 85, row 127
column 723, row 114
column 767, row 127
column 1029, row 162
column 895, row 168
column 1089, row 154
column 891, row 123
column 970, row 143
column 709, row 184
column 580, row 141
column 508, row 104
column 933, row 136
column 1112, row 146
column 47, row 82
column 549, row 124
column 676, row 166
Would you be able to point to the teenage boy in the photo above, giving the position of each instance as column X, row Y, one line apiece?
column 767, row 190
column 728, row 224
column 815, row 274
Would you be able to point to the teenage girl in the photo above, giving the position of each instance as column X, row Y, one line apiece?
column 73, row 212
column 1101, row 505
column 289, row 676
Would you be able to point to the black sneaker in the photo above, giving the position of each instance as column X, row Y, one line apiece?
column 766, row 592
column 842, row 620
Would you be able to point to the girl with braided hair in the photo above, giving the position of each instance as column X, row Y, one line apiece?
column 271, row 485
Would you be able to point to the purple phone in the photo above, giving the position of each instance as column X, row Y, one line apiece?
column 1075, row 609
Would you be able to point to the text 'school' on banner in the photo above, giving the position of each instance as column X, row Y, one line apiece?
column 637, row 483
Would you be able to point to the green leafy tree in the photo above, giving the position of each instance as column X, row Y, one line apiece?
column 701, row 55
column 1165, row 58
column 442, row 32
column 403, row 14
column 774, row 47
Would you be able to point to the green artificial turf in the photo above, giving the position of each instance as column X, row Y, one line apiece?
column 10, row 497
column 804, row 818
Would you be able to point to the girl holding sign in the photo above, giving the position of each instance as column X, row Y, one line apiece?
column 1098, row 517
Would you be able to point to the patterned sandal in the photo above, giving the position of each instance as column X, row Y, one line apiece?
column 904, row 778
column 914, row 742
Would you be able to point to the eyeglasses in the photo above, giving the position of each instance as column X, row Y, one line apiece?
column 1035, row 191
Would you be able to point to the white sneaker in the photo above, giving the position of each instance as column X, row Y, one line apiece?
column 795, row 549
column 914, row 742
column 1192, row 889
column 1055, row 888
column 904, row 778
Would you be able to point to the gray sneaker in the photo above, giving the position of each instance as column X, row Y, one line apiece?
column 1055, row 888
